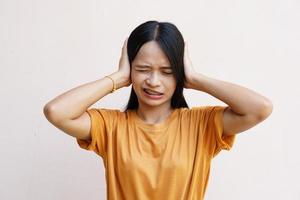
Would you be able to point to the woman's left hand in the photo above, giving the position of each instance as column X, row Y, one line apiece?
column 189, row 70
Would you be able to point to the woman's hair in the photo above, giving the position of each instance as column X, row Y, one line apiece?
column 171, row 42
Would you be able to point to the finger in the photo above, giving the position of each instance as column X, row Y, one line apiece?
column 124, row 48
column 186, row 47
column 125, row 42
column 187, row 51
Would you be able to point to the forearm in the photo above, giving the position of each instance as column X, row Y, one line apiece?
column 241, row 100
column 75, row 102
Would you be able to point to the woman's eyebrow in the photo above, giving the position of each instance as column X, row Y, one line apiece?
column 147, row 66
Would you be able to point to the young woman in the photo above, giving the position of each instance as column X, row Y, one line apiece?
column 158, row 147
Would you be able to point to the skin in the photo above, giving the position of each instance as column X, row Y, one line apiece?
column 67, row 111
column 246, row 108
column 151, row 69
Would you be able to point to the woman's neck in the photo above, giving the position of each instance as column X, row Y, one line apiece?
column 153, row 115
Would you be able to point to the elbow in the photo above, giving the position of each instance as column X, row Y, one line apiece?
column 266, row 110
column 48, row 111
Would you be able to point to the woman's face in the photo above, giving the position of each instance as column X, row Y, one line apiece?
column 152, row 77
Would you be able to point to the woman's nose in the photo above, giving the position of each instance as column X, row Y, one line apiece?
column 153, row 79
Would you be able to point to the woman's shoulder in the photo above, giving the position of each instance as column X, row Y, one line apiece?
column 106, row 112
column 200, row 110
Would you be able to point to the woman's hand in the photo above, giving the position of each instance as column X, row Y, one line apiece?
column 189, row 71
column 124, row 65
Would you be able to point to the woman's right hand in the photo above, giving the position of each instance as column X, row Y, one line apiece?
column 124, row 65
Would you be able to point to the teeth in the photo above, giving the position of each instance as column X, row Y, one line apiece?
column 150, row 92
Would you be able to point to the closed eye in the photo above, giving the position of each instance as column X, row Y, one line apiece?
column 141, row 70
column 146, row 70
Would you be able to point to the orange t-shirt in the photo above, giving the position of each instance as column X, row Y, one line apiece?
column 165, row 161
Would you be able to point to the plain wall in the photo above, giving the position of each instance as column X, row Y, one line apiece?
column 49, row 47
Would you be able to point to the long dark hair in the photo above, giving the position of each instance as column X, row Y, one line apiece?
column 171, row 42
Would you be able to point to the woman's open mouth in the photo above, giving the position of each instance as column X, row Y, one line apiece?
column 153, row 94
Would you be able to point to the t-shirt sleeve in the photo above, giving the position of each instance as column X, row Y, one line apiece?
column 99, row 125
column 212, row 130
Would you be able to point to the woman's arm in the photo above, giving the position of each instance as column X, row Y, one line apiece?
column 241, row 100
column 246, row 107
column 73, row 103
column 68, row 110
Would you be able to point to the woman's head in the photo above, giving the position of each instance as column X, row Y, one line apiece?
column 155, row 51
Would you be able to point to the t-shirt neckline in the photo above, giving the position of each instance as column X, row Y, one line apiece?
column 159, row 125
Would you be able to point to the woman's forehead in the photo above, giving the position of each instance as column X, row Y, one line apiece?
column 151, row 54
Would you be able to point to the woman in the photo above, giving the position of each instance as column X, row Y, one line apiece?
column 157, row 148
